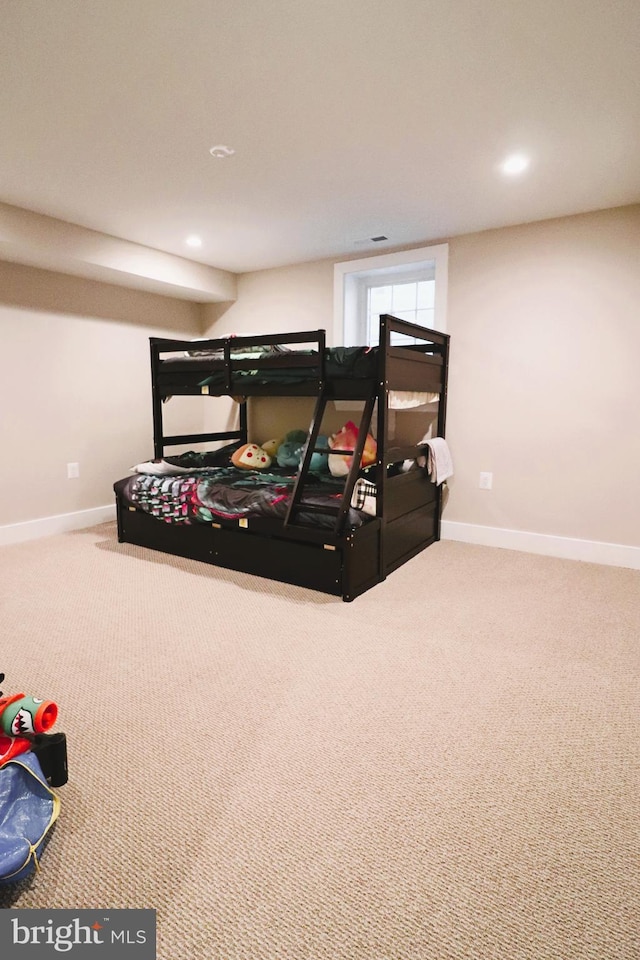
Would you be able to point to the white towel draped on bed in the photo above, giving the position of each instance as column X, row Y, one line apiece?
column 438, row 459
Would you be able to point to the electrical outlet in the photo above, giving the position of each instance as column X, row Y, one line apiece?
column 486, row 481
column 73, row 471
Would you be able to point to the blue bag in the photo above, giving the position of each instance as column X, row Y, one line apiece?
column 28, row 810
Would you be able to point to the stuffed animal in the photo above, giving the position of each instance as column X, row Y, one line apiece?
column 270, row 447
column 320, row 461
column 251, row 457
column 346, row 439
column 290, row 450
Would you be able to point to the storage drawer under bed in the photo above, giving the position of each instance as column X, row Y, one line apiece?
column 409, row 534
column 345, row 569
column 406, row 492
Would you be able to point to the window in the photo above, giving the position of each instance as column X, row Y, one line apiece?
column 411, row 286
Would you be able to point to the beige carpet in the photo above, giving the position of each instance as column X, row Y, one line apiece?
column 445, row 769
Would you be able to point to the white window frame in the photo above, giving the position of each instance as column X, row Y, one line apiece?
column 350, row 280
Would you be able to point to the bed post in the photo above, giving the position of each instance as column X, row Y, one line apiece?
column 382, row 391
column 243, row 420
column 158, row 433
column 442, row 418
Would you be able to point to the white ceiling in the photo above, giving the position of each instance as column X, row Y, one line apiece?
column 349, row 118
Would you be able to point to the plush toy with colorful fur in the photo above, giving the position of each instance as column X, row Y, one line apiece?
column 346, row 439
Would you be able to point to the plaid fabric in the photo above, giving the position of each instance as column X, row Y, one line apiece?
column 364, row 495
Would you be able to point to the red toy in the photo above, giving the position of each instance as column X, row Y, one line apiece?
column 25, row 723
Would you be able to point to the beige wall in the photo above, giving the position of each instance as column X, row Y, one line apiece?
column 277, row 301
column 544, row 383
column 75, row 387
column 281, row 300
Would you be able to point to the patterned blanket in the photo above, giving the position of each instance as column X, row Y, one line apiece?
column 225, row 493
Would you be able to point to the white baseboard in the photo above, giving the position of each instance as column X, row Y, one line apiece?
column 568, row 548
column 48, row 526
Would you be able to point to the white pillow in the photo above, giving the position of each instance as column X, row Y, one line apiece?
column 160, row 468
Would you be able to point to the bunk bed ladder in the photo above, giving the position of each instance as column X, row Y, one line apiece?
column 297, row 503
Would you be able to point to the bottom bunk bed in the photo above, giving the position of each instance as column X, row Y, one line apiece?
column 235, row 519
column 339, row 532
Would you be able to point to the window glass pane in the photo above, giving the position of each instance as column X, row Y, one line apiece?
column 365, row 286
column 404, row 297
column 425, row 318
column 426, row 294
column 380, row 300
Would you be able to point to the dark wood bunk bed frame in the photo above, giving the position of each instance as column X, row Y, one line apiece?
column 342, row 561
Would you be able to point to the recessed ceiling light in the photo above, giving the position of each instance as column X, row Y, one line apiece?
column 193, row 241
column 515, row 164
column 221, row 152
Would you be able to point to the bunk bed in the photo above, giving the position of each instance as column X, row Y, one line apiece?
column 316, row 536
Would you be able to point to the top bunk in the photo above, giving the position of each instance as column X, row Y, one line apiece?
column 409, row 358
